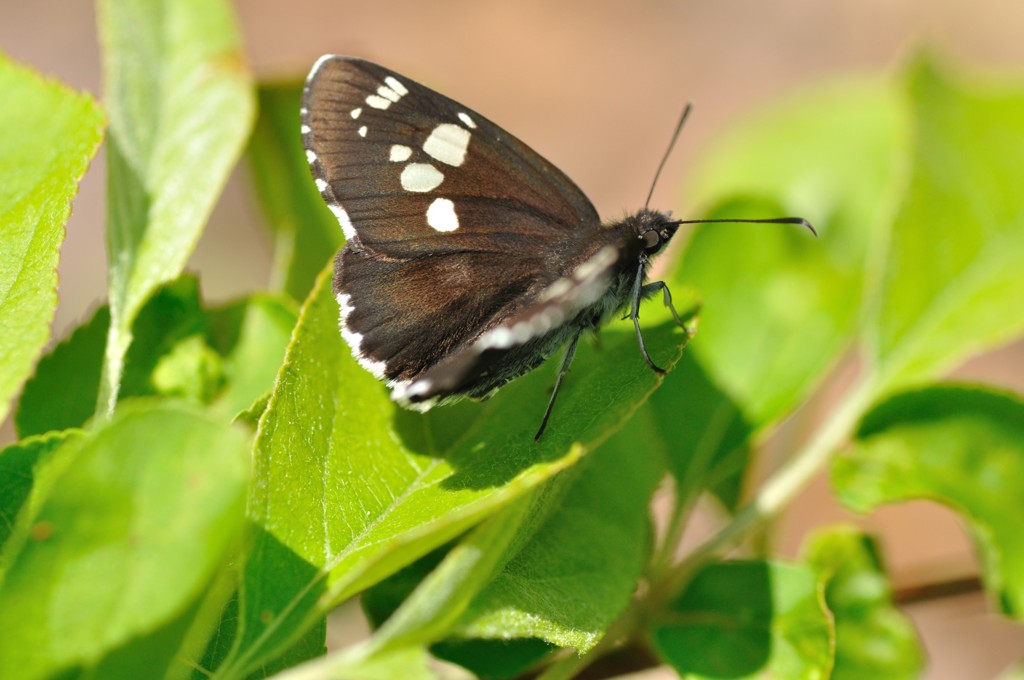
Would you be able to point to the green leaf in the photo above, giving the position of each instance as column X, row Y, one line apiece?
column 48, row 133
column 831, row 156
column 228, row 355
column 62, row 392
column 579, row 569
column 874, row 639
column 64, row 389
column 180, row 106
column 27, row 472
column 351, row 488
column 430, row 611
column 124, row 546
column 306, row 234
column 251, row 336
column 699, row 431
column 749, row 620
column 962, row 447
column 952, row 281
column 407, row 663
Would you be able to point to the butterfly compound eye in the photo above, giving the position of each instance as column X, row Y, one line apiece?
column 652, row 241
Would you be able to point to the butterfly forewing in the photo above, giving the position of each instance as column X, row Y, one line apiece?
column 413, row 172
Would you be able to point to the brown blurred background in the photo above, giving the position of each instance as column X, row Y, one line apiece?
column 596, row 87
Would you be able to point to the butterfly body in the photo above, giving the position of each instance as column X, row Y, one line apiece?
column 469, row 259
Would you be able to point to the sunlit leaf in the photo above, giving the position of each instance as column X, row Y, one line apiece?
column 48, row 133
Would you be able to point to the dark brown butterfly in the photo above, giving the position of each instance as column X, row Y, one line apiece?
column 470, row 259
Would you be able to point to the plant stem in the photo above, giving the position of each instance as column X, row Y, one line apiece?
column 779, row 489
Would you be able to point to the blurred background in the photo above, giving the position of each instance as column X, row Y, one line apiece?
column 596, row 87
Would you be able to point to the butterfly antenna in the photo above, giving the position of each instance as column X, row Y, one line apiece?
column 770, row 220
column 668, row 151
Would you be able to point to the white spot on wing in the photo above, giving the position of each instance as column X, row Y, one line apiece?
column 464, row 117
column 321, row 184
column 400, row 153
column 362, row 131
column 356, row 112
column 345, row 303
column 343, row 220
column 441, row 215
column 305, row 129
column 556, row 289
column 310, row 156
column 355, row 340
column 402, row 391
column 447, row 143
column 388, row 93
column 378, row 102
column 421, row 177
column 595, row 265
column 396, row 85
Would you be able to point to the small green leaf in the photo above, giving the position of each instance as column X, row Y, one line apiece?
column 956, row 445
column 306, row 234
column 181, row 106
column 830, row 156
column 48, row 134
column 873, row 638
column 952, row 280
column 124, row 546
column 351, row 488
column 749, row 620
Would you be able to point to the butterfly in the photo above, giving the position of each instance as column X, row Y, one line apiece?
column 469, row 259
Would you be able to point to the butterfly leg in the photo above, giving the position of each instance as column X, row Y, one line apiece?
column 634, row 313
column 570, row 352
column 652, row 288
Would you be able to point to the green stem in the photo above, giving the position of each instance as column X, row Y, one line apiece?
column 778, row 490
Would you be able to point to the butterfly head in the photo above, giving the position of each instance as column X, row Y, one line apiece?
column 654, row 229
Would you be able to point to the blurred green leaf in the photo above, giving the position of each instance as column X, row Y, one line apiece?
column 874, row 639
column 956, row 445
column 1015, row 672
column 124, row 547
column 749, row 620
column 62, row 392
column 699, row 431
column 831, row 156
column 48, row 134
column 228, row 355
column 407, row 663
column 351, row 488
column 27, row 471
column 64, row 389
column 181, row 106
column 251, row 335
column 952, row 280
column 306, row 234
